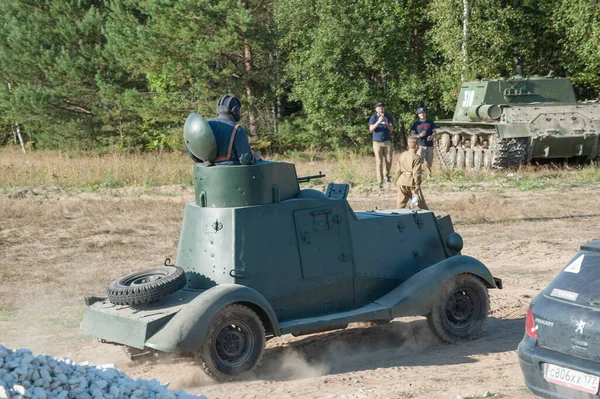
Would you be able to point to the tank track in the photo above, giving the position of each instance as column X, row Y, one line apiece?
column 476, row 148
column 509, row 153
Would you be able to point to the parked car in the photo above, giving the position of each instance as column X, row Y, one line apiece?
column 560, row 352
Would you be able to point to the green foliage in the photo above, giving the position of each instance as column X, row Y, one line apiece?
column 342, row 58
column 51, row 55
column 578, row 25
column 499, row 31
column 191, row 53
column 296, row 134
column 125, row 74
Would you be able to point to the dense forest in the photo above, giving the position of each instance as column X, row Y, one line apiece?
column 124, row 74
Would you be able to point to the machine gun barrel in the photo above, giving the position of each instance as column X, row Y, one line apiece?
column 304, row 179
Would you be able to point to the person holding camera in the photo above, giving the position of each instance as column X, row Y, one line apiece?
column 382, row 126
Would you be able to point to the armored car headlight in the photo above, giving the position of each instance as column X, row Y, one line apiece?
column 454, row 242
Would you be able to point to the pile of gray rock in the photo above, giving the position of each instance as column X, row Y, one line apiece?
column 23, row 375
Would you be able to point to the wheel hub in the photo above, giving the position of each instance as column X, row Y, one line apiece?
column 146, row 279
column 460, row 308
column 232, row 345
column 232, row 342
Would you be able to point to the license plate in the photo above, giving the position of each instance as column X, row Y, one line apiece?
column 573, row 379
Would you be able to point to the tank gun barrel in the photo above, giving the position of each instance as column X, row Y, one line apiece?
column 305, row 179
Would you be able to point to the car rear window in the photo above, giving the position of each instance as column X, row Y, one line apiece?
column 579, row 280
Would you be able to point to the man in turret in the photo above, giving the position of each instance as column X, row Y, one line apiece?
column 409, row 182
column 231, row 138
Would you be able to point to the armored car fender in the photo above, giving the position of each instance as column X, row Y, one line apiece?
column 408, row 299
column 187, row 330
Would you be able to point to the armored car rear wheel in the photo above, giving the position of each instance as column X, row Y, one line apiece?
column 146, row 286
column 460, row 309
column 234, row 345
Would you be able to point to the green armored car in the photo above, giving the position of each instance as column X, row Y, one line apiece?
column 259, row 257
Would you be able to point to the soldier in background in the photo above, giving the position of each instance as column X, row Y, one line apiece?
column 409, row 182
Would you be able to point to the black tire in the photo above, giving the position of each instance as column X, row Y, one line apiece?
column 460, row 309
column 146, row 286
column 234, row 345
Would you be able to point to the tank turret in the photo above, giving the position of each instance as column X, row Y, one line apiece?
column 504, row 123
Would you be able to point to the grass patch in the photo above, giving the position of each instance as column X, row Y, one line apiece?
column 102, row 173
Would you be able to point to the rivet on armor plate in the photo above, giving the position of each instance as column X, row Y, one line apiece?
column 418, row 220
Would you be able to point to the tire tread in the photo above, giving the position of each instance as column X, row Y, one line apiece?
column 433, row 319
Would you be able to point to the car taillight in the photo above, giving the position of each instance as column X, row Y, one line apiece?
column 530, row 327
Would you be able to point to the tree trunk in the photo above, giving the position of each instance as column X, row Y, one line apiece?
column 250, row 90
column 465, row 36
column 19, row 136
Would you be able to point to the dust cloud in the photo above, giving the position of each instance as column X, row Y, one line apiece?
column 356, row 348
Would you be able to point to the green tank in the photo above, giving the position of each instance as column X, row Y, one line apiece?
column 259, row 256
column 503, row 123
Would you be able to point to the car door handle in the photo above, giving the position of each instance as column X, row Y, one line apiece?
column 577, row 344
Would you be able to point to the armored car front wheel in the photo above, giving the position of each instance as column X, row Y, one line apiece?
column 460, row 309
column 146, row 286
column 234, row 345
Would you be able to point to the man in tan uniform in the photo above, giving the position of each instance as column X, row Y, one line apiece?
column 409, row 182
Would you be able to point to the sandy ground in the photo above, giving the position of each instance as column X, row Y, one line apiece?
column 56, row 249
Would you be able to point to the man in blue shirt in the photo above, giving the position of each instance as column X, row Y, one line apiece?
column 425, row 129
column 382, row 126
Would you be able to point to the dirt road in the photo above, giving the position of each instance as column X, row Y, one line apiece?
column 56, row 249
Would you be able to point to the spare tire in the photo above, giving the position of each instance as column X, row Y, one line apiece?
column 146, row 286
